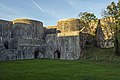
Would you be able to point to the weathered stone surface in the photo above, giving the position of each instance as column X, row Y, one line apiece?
column 28, row 39
column 69, row 24
column 107, row 25
column 10, row 54
column 25, row 28
column 99, row 35
column 24, row 39
column 90, row 29
column 51, row 27
column 103, row 38
column 67, row 47
column 5, row 29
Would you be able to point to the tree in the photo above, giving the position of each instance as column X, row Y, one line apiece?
column 87, row 17
column 113, row 10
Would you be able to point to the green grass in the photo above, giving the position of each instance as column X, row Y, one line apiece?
column 46, row 69
column 106, row 67
column 101, row 54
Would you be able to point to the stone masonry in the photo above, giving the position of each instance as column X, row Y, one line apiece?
column 28, row 39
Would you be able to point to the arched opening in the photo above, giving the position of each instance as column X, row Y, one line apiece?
column 38, row 54
column 6, row 44
column 57, row 54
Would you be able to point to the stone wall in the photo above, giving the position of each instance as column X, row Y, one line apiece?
column 24, row 39
column 23, row 50
column 70, row 47
column 107, row 25
column 5, row 29
column 104, row 36
column 67, row 46
column 51, row 45
column 28, row 39
column 90, row 28
column 25, row 28
column 68, row 25
column 10, row 54
column 99, row 35
column 5, row 33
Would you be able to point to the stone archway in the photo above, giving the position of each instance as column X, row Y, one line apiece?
column 57, row 54
column 38, row 54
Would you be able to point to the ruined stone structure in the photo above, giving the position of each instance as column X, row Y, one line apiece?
column 28, row 39
column 104, row 35
column 20, row 39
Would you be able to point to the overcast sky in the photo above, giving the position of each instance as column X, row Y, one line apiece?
column 49, row 11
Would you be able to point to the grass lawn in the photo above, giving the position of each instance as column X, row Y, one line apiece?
column 101, row 54
column 46, row 69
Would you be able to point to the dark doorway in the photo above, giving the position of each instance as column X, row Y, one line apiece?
column 38, row 54
column 57, row 54
column 6, row 44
